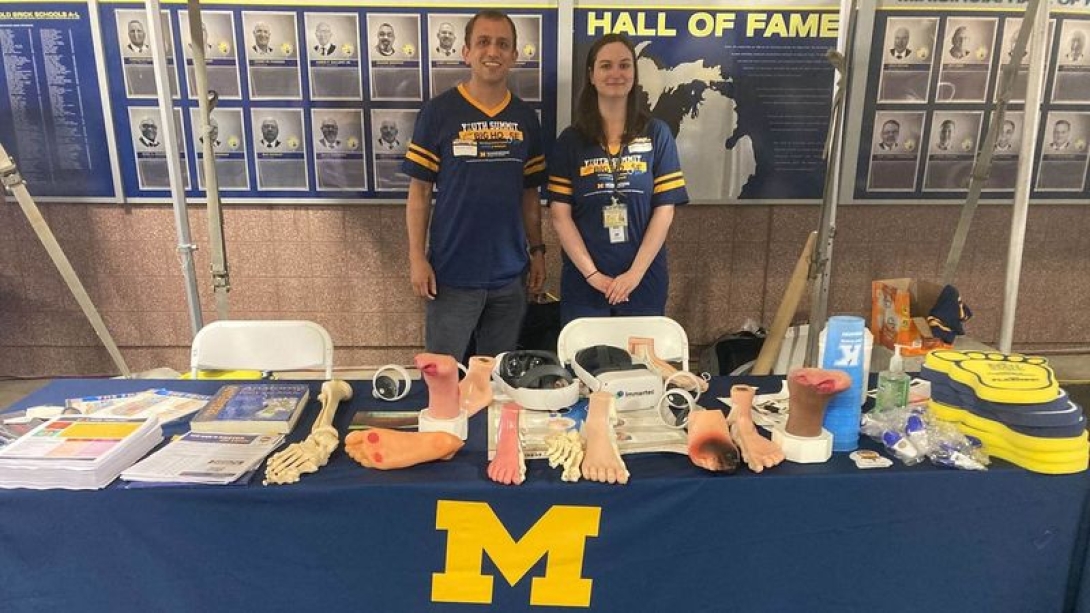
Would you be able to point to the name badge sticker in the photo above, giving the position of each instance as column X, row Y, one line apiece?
column 465, row 148
column 640, row 145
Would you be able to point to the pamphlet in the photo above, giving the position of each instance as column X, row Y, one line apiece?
column 210, row 458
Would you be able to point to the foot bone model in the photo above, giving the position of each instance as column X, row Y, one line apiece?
column 313, row 452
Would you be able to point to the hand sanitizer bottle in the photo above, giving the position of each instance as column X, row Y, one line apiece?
column 892, row 384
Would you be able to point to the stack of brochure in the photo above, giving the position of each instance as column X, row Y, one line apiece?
column 167, row 405
column 199, row 457
column 77, row 452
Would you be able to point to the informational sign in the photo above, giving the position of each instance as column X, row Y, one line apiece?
column 314, row 103
column 51, row 116
column 932, row 74
column 746, row 90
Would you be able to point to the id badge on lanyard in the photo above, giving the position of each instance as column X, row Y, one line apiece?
column 615, row 220
column 615, row 216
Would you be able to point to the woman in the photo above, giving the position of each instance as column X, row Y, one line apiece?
column 614, row 180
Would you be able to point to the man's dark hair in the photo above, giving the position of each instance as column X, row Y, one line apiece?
column 491, row 15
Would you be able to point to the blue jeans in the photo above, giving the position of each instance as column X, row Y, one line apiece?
column 495, row 315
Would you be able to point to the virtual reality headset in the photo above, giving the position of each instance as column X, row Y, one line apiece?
column 608, row 368
column 535, row 380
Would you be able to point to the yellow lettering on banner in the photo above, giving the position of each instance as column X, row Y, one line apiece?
column 793, row 25
column 638, row 24
column 474, row 530
column 704, row 24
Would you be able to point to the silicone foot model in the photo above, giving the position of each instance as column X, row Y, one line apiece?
column 758, row 452
column 509, row 466
column 476, row 388
column 441, row 375
column 388, row 449
column 602, row 460
column 643, row 348
column 710, row 446
column 810, row 390
column 312, row 453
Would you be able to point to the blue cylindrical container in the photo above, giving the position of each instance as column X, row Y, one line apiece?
column 845, row 347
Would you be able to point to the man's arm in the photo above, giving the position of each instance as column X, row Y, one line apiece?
column 417, row 216
column 531, row 219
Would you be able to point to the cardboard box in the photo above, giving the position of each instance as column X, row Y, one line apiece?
column 899, row 309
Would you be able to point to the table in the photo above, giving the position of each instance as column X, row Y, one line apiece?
column 811, row 538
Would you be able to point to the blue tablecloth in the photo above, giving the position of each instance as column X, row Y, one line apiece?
column 823, row 537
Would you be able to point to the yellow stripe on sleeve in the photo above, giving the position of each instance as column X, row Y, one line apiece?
column 665, row 187
column 560, row 189
column 534, row 161
column 412, row 155
column 560, row 180
column 669, row 177
column 423, row 152
column 540, row 166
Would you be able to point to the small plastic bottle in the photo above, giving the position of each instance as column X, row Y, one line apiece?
column 893, row 384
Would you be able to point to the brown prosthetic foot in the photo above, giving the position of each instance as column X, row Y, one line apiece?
column 602, row 460
column 475, row 389
column 758, row 452
column 441, row 375
column 389, row 449
column 811, row 389
column 509, row 465
column 710, row 445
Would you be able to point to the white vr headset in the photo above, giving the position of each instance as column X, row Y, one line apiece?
column 610, row 369
column 535, row 380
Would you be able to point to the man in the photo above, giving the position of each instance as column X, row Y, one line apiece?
column 900, row 48
column 387, row 140
column 386, row 38
column 446, row 37
column 482, row 147
column 213, row 133
column 1075, row 52
column 138, row 38
column 270, row 129
column 149, row 133
column 891, row 130
column 262, row 34
column 329, row 134
column 946, row 132
column 1005, row 142
column 324, row 34
column 1061, row 136
column 959, row 43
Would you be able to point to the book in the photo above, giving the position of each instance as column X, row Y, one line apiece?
column 77, row 452
column 252, row 408
column 208, row 458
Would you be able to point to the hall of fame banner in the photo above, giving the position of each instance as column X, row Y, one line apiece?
column 926, row 89
column 745, row 88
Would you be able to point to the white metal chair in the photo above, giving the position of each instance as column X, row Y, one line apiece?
column 265, row 345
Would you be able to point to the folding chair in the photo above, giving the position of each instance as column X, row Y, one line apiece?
column 262, row 345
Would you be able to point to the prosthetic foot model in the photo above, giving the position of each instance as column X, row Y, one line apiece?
column 509, row 465
column 710, row 445
column 602, row 460
column 475, row 389
column 758, row 452
column 313, row 452
column 444, row 412
column 389, row 449
column 643, row 349
column 802, row 439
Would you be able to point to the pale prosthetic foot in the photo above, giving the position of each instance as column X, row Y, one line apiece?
column 313, row 452
column 602, row 460
column 476, row 388
column 386, row 449
column 565, row 449
column 441, row 376
column 758, row 452
column 509, row 465
column 643, row 348
column 710, row 445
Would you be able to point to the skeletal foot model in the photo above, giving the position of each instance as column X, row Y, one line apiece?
column 565, row 449
column 509, row 465
column 313, row 452
column 602, row 460
column 758, row 452
column 643, row 349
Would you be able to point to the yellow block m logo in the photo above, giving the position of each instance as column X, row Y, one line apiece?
column 473, row 529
